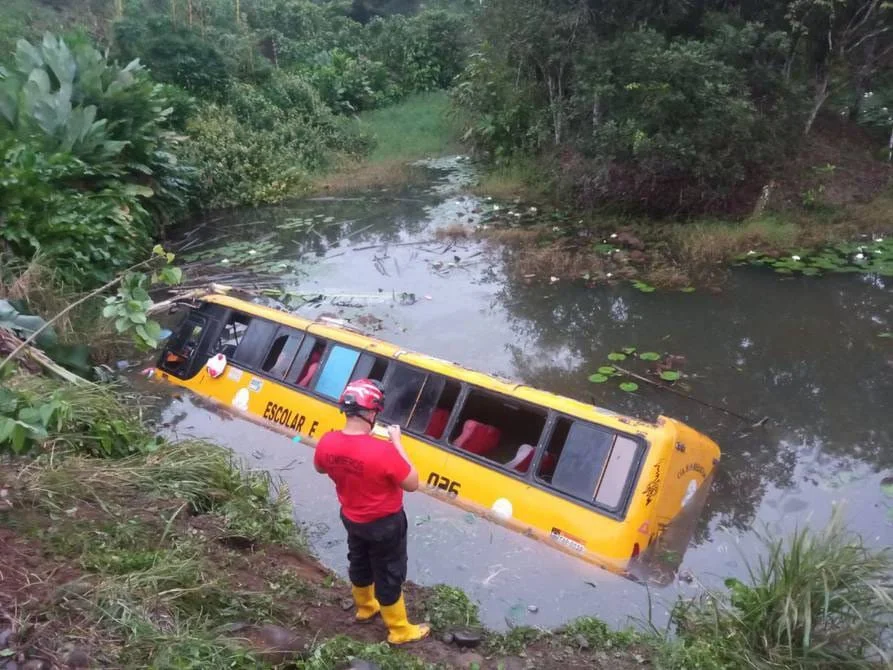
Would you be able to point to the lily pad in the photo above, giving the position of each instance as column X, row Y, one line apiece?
column 628, row 350
column 606, row 370
column 650, row 356
column 669, row 375
column 616, row 356
column 629, row 387
column 598, row 378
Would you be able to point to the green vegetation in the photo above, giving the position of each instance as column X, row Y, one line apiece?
column 88, row 168
column 673, row 109
column 421, row 126
column 448, row 607
column 209, row 104
column 815, row 600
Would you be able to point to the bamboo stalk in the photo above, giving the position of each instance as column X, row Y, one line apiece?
column 81, row 301
column 666, row 387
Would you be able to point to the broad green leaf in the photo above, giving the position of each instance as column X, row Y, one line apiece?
column 628, row 350
column 650, row 356
column 606, row 370
column 629, row 387
column 598, row 378
column 616, row 356
column 669, row 375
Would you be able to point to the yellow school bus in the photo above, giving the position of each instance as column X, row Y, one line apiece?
column 593, row 483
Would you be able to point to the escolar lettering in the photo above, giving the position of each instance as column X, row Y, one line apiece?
column 289, row 418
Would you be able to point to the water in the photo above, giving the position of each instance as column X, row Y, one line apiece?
column 804, row 352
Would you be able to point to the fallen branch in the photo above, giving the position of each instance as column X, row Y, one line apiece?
column 33, row 355
column 81, row 301
column 754, row 423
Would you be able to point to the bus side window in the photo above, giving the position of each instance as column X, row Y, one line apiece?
column 588, row 462
column 254, row 343
column 498, row 428
column 306, row 363
column 402, row 389
column 370, row 366
column 434, row 407
column 231, row 335
column 335, row 372
column 282, row 353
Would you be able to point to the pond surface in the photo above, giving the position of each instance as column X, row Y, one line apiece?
column 804, row 352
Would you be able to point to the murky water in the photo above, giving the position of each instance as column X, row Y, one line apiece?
column 804, row 352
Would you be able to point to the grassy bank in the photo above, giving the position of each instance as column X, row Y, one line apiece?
column 421, row 126
column 543, row 241
column 171, row 556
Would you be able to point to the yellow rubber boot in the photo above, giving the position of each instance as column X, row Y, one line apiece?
column 367, row 605
column 400, row 631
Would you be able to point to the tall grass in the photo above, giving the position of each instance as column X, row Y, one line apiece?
column 719, row 242
column 517, row 178
column 423, row 125
column 818, row 600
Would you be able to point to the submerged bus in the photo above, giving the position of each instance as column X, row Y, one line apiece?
column 590, row 482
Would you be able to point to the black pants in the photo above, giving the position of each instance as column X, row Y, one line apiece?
column 377, row 555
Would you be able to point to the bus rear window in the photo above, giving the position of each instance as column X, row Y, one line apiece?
column 588, row 462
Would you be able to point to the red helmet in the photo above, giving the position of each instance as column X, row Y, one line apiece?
column 362, row 394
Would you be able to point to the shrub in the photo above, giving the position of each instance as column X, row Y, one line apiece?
column 87, row 163
column 817, row 600
column 174, row 53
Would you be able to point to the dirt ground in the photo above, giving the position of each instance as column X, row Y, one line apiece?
column 42, row 626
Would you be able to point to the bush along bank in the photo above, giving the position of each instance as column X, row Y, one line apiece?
column 121, row 549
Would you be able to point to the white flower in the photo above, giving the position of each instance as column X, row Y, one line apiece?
column 613, row 236
column 553, row 279
column 511, row 213
column 517, row 215
column 533, row 210
column 495, row 208
column 225, row 260
column 859, row 257
column 751, row 252
column 795, row 258
column 252, row 252
column 555, row 229
column 879, row 239
column 609, row 275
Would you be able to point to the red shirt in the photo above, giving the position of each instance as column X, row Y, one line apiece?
column 367, row 472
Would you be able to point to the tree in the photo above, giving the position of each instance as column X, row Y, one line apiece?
column 847, row 39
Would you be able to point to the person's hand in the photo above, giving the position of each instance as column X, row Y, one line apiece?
column 394, row 434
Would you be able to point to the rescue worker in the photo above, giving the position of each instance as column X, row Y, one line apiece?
column 370, row 476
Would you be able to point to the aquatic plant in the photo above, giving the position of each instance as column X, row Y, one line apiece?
column 663, row 368
column 818, row 599
column 874, row 257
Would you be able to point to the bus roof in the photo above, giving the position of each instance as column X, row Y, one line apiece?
column 371, row 344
